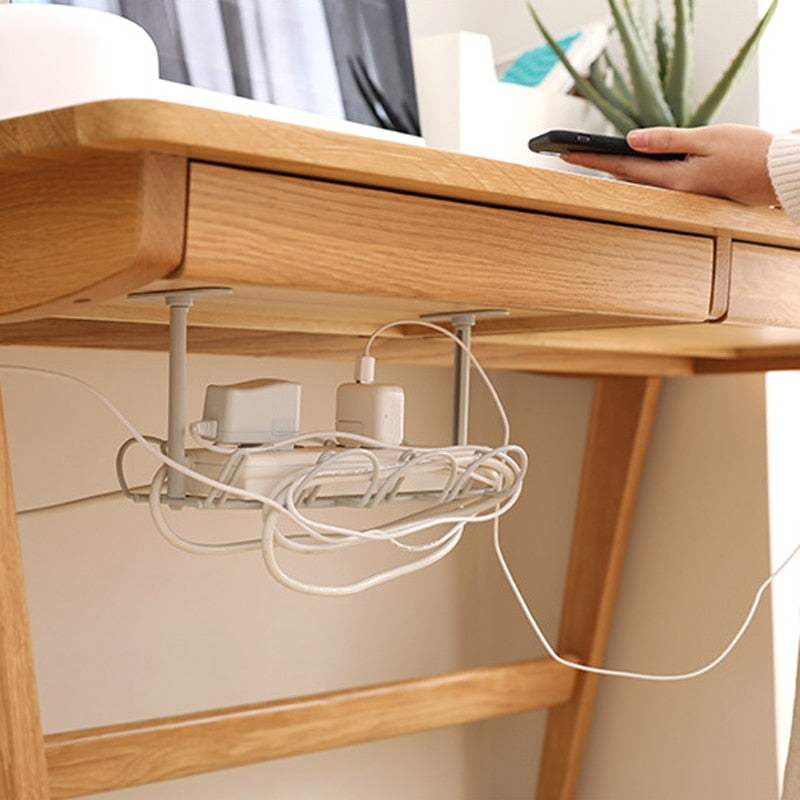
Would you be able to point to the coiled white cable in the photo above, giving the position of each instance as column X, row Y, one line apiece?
column 333, row 537
column 507, row 464
column 482, row 483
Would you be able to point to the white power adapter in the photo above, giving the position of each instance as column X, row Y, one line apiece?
column 375, row 410
column 260, row 411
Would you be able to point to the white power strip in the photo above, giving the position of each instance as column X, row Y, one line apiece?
column 349, row 476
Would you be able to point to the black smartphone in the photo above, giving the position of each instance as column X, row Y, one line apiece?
column 561, row 141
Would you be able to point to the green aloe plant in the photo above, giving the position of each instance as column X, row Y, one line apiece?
column 658, row 88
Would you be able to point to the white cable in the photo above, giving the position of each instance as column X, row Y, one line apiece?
column 322, row 533
column 438, row 549
column 284, row 503
column 144, row 441
column 75, row 502
column 620, row 673
column 178, row 541
column 325, row 537
column 475, row 363
column 357, row 586
column 273, row 509
column 140, row 438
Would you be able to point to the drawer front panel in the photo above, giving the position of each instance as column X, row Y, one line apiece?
column 274, row 230
column 765, row 286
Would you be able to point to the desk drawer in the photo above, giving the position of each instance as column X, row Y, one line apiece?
column 765, row 286
column 273, row 230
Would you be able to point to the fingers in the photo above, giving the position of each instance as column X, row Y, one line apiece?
column 669, row 140
column 722, row 161
column 665, row 174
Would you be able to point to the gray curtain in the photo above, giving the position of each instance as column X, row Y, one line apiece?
column 342, row 58
column 373, row 60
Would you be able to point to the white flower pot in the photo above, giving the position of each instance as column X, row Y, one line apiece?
column 464, row 107
column 53, row 56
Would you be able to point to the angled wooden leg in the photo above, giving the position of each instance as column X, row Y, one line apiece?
column 23, row 771
column 619, row 433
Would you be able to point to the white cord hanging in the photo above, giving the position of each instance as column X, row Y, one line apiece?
column 502, row 468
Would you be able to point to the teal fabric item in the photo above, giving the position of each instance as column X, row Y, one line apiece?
column 533, row 66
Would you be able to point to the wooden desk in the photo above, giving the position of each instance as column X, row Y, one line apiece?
column 323, row 237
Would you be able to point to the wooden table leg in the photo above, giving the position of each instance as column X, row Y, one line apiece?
column 23, row 771
column 619, row 432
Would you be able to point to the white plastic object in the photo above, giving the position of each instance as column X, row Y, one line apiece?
column 464, row 107
column 260, row 411
column 375, row 410
column 365, row 369
column 53, row 56
column 266, row 472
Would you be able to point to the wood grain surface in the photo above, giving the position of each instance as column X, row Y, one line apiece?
column 114, row 757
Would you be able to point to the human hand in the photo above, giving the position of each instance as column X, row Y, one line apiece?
column 721, row 160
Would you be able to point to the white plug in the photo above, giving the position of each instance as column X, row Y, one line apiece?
column 260, row 411
column 375, row 410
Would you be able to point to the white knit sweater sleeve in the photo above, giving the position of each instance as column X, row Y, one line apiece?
column 783, row 161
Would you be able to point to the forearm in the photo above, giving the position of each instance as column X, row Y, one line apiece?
column 783, row 161
column 721, row 160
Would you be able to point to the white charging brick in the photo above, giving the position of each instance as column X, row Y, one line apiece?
column 371, row 409
column 260, row 411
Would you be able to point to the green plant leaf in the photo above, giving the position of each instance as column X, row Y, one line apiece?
column 678, row 83
column 622, row 100
column 663, row 40
column 622, row 122
column 706, row 110
column 642, row 67
column 617, row 80
column 660, row 69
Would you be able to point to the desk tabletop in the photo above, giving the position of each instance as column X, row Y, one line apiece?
column 205, row 134
column 101, row 199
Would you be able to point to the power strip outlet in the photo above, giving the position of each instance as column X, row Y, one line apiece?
column 266, row 473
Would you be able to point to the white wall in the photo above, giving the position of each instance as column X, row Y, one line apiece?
column 699, row 549
column 125, row 627
column 511, row 30
column 783, row 395
column 778, row 68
